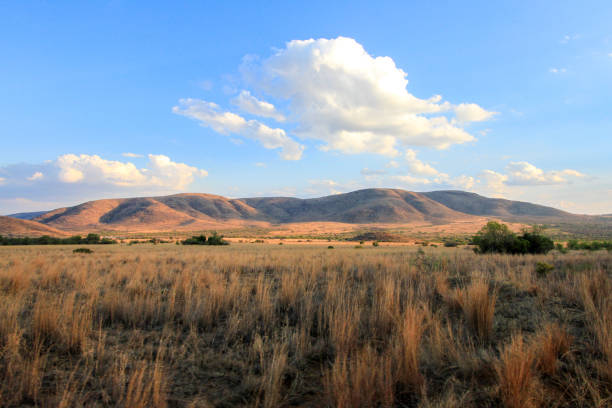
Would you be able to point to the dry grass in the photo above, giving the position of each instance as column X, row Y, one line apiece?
column 516, row 374
column 274, row 326
column 477, row 302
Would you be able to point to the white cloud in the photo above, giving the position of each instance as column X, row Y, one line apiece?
column 324, row 187
column 250, row 104
column 392, row 164
column 557, row 70
column 132, row 155
column 411, row 180
column 260, row 164
column 226, row 123
column 2, row 180
column 72, row 178
column 416, row 166
column 464, row 182
column 92, row 169
column 164, row 172
column 567, row 38
column 470, row 112
column 36, row 176
column 494, row 181
column 524, row 173
column 353, row 102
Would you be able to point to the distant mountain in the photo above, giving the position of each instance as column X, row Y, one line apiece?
column 191, row 212
column 27, row 215
column 15, row 227
column 471, row 203
column 206, row 211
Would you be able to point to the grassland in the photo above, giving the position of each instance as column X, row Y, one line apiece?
column 273, row 326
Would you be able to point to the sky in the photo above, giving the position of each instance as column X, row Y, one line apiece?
column 111, row 99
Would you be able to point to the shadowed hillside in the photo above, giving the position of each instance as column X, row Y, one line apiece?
column 362, row 206
column 190, row 212
column 14, row 227
column 471, row 203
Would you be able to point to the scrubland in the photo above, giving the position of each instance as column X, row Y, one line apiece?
column 275, row 326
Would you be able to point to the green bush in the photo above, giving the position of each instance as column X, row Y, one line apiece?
column 330, row 247
column 214, row 239
column 82, row 251
column 497, row 238
column 542, row 269
column 91, row 239
column 375, row 243
column 589, row 245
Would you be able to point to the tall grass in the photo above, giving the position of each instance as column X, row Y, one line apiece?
column 273, row 326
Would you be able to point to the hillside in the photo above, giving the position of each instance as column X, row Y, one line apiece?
column 191, row 211
column 205, row 211
column 471, row 203
column 14, row 227
column 27, row 215
column 358, row 207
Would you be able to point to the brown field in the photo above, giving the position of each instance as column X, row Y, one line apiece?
column 297, row 325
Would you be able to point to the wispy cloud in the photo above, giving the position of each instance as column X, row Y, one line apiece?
column 209, row 114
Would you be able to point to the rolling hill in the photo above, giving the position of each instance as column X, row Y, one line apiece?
column 205, row 211
column 471, row 203
column 15, row 227
column 192, row 211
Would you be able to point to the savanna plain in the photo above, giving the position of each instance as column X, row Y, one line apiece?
column 303, row 325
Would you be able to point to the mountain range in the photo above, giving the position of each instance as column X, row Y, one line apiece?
column 193, row 211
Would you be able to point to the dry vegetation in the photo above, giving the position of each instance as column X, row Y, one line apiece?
column 273, row 326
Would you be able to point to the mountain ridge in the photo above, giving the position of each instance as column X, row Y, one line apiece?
column 200, row 211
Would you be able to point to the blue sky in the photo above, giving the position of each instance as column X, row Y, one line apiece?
column 119, row 99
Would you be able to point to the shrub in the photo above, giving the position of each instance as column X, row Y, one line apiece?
column 494, row 237
column 82, row 251
column 214, row 239
column 330, row 247
column 542, row 269
column 375, row 243
column 589, row 246
column 497, row 238
column 91, row 239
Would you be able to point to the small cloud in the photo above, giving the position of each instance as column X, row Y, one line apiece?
column 260, row 164
column 132, row 155
column 209, row 114
column 567, row 38
column 416, row 166
column 236, row 141
column 470, row 112
column 250, row 104
column 36, row 176
column 557, row 70
column 526, row 174
column 610, row 54
column 2, row 180
column 392, row 164
column 484, row 132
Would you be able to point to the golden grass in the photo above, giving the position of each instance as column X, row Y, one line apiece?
column 516, row 374
column 275, row 326
column 477, row 302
